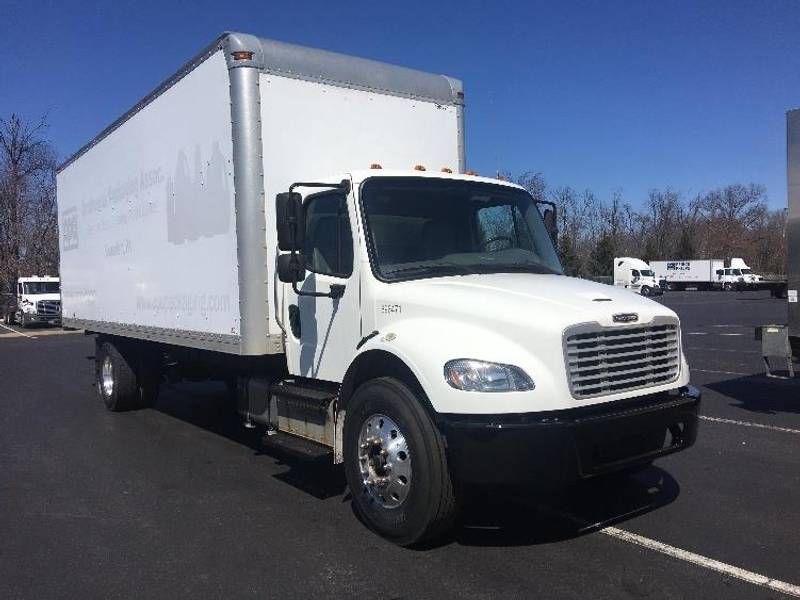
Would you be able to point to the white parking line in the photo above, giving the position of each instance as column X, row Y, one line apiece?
column 704, row 349
column 749, row 424
column 704, row 561
column 33, row 337
column 674, row 552
column 722, row 372
column 714, row 333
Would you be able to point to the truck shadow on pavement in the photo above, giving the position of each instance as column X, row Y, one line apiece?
column 496, row 516
column 761, row 394
column 531, row 516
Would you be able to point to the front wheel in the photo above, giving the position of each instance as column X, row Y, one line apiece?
column 645, row 291
column 728, row 287
column 395, row 464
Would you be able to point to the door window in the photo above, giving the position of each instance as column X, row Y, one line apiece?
column 328, row 241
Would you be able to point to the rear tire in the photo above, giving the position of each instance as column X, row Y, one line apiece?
column 727, row 287
column 125, row 380
column 404, row 515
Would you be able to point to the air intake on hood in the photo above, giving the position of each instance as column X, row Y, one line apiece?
column 607, row 360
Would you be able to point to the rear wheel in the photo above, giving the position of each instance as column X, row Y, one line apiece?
column 728, row 287
column 395, row 464
column 124, row 380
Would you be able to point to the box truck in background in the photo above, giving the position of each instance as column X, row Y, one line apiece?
column 635, row 275
column 298, row 223
column 682, row 274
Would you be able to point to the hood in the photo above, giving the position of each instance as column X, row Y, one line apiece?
column 551, row 301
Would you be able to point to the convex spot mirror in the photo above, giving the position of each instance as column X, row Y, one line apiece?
column 290, row 221
column 290, row 269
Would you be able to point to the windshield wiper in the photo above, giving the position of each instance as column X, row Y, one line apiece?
column 517, row 268
column 446, row 268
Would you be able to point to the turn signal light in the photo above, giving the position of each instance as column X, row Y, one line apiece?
column 447, row 170
column 242, row 55
column 419, row 168
column 375, row 166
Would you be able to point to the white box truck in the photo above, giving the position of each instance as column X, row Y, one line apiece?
column 264, row 217
column 682, row 274
column 636, row 275
column 703, row 274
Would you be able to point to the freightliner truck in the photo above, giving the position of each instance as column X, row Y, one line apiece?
column 301, row 225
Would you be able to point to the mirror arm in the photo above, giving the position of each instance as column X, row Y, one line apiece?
column 337, row 291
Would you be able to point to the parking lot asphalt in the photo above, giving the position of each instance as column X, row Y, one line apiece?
column 181, row 501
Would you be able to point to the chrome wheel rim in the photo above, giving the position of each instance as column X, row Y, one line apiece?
column 384, row 461
column 107, row 377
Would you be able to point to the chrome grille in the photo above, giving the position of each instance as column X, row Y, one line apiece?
column 48, row 308
column 602, row 361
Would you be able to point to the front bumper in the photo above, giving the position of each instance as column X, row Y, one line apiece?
column 571, row 444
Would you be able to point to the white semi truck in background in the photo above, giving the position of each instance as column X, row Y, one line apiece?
column 36, row 300
column 636, row 275
column 300, row 223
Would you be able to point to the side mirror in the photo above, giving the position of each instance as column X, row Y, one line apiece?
column 290, row 221
column 549, row 218
column 290, row 269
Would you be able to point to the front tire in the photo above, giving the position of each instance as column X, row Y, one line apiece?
column 645, row 291
column 395, row 464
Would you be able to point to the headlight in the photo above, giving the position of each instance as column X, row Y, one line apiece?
column 479, row 376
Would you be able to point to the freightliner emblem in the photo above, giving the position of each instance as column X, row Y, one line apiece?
column 625, row 317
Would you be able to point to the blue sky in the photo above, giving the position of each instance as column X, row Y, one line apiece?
column 603, row 95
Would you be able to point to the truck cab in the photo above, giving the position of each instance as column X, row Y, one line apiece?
column 38, row 300
column 439, row 299
column 729, row 279
column 635, row 275
column 749, row 277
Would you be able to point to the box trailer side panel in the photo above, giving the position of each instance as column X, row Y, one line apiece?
column 315, row 131
column 793, row 225
column 147, row 220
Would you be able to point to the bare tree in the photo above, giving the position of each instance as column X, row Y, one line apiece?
column 28, row 217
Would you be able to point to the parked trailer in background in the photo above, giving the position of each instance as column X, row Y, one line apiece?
column 265, row 218
column 682, row 274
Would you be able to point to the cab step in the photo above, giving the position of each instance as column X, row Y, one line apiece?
column 296, row 446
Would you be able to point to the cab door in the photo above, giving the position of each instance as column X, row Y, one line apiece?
column 323, row 332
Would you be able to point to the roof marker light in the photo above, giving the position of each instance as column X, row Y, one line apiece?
column 419, row 168
column 471, row 173
column 447, row 170
column 375, row 166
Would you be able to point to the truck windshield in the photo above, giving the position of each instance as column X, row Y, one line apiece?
column 646, row 273
column 747, row 271
column 40, row 287
column 419, row 227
